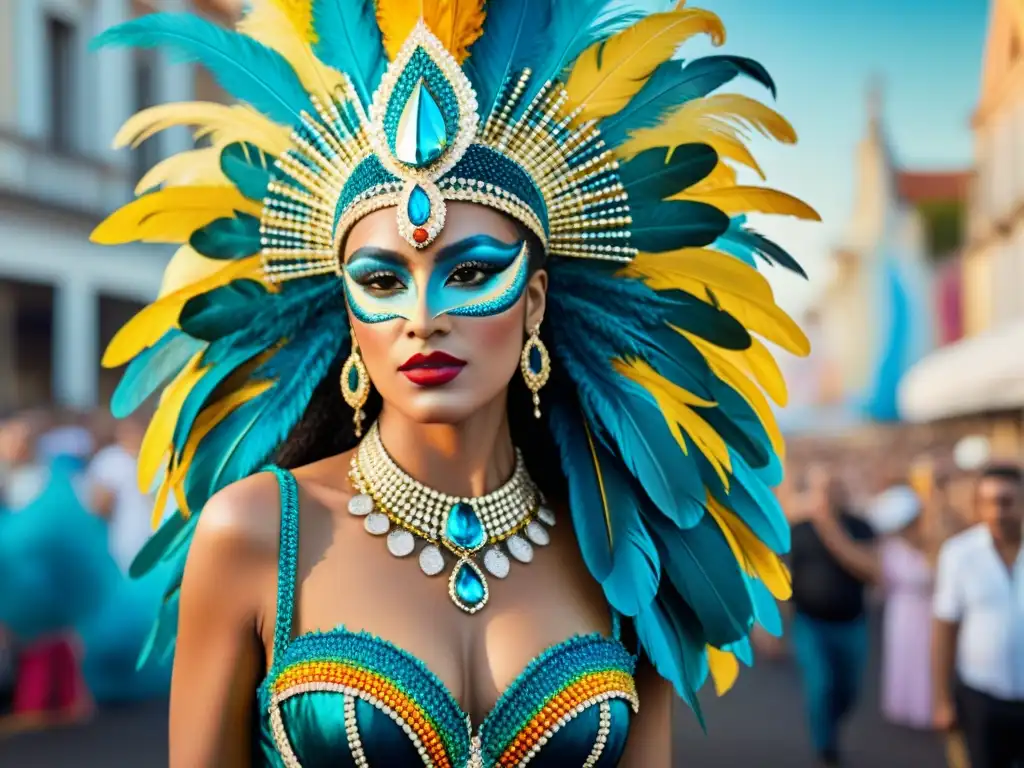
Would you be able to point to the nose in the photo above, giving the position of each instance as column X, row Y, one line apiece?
column 422, row 325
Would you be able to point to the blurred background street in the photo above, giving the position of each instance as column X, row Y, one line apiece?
column 911, row 123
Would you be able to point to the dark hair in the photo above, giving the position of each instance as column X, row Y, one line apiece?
column 326, row 428
column 1008, row 472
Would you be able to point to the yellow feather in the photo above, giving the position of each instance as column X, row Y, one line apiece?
column 752, row 553
column 767, row 320
column 761, row 364
column 186, row 267
column 736, row 200
column 269, row 23
column 724, row 669
column 161, row 428
column 195, row 166
column 732, row 375
column 171, row 215
column 722, row 175
column 456, row 23
column 207, row 420
column 695, row 269
column 608, row 74
column 675, row 402
column 152, row 322
column 160, row 503
column 300, row 14
column 225, row 124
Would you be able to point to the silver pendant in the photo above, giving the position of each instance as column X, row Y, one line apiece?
column 360, row 505
column 496, row 563
column 431, row 560
column 377, row 523
column 537, row 533
column 520, row 548
column 546, row 516
column 401, row 543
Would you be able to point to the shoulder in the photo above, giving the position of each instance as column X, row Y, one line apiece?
column 962, row 544
column 858, row 527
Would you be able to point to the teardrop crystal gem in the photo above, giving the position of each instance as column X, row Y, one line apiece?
column 463, row 528
column 468, row 588
column 419, row 207
column 422, row 135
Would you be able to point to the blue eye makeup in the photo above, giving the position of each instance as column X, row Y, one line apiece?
column 476, row 277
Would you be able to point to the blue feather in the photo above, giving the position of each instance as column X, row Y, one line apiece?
column 744, row 243
column 673, row 224
column 247, row 167
column 673, row 84
column 224, row 311
column 673, row 640
column 766, row 610
column 503, row 50
column 228, row 238
column 151, row 370
column 157, row 546
column 738, row 424
column 751, row 500
column 743, row 650
column 349, row 40
column 707, row 321
column 248, row 70
column 649, row 177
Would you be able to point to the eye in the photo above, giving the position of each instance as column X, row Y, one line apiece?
column 381, row 282
column 470, row 274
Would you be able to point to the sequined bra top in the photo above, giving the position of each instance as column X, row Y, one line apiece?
column 345, row 699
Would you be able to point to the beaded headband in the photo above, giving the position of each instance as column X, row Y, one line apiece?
column 423, row 144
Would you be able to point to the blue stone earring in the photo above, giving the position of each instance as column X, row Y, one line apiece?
column 355, row 385
column 535, row 363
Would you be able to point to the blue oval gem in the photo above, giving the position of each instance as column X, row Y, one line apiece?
column 469, row 587
column 464, row 528
column 419, row 206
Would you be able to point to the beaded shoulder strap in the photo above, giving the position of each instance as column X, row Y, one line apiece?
column 287, row 559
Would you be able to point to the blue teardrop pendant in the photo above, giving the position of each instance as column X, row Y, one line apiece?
column 419, row 206
column 463, row 528
column 422, row 135
column 468, row 587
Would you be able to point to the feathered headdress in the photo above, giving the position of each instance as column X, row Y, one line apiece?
column 574, row 119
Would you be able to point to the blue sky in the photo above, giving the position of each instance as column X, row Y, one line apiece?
column 823, row 54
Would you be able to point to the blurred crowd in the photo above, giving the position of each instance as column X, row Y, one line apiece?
column 50, row 673
column 935, row 547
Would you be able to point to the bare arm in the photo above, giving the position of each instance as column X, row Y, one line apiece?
column 219, row 655
column 650, row 735
column 944, row 635
column 101, row 501
column 859, row 559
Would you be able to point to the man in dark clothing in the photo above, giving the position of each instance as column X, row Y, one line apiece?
column 832, row 559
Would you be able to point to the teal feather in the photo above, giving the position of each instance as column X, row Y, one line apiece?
column 248, row 70
column 673, row 84
column 673, row 224
column 707, row 321
column 744, row 244
column 228, row 238
column 702, row 567
column 248, row 168
column 223, row 311
column 349, row 40
column 152, row 370
column 503, row 49
column 673, row 641
column 649, row 177
column 766, row 610
column 751, row 500
column 739, row 425
column 743, row 651
column 157, row 546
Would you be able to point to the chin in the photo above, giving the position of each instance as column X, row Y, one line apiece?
column 439, row 407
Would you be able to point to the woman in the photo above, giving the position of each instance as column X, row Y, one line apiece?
column 907, row 579
column 424, row 226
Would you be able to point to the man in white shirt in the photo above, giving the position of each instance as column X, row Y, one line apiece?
column 978, row 628
column 115, row 494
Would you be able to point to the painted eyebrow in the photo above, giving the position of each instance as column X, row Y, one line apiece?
column 449, row 252
column 380, row 254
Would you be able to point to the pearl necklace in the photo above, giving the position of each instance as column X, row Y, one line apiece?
column 466, row 527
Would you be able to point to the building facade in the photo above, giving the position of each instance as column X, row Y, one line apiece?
column 61, row 297
column 980, row 379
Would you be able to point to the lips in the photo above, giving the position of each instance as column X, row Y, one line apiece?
column 432, row 370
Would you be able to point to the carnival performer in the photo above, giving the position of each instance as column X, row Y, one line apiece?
column 512, row 232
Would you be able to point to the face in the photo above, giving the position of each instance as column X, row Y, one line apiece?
column 998, row 505
column 441, row 330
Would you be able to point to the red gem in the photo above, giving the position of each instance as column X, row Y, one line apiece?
column 420, row 235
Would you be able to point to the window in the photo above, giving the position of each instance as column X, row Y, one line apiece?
column 60, row 45
column 148, row 153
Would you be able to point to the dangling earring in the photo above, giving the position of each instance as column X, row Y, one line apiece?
column 355, row 385
column 535, row 370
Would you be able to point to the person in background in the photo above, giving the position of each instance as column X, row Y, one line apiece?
column 907, row 582
column 978, row 627
column 24, row 476
column 115, row 495
column 832, row 558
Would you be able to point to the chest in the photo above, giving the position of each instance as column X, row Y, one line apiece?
column 991, row 587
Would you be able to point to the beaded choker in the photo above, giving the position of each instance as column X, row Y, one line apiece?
column 394, row 504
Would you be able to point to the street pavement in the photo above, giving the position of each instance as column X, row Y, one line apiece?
column 759, row 724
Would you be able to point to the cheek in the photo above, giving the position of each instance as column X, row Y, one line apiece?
column 496, row 341
column 375, row 340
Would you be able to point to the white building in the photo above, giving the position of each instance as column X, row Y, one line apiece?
column 61, row 297
column 984, row 374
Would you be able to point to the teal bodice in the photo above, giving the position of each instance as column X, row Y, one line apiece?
column 353, row 700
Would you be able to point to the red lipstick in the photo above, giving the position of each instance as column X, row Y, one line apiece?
column 432, row 370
